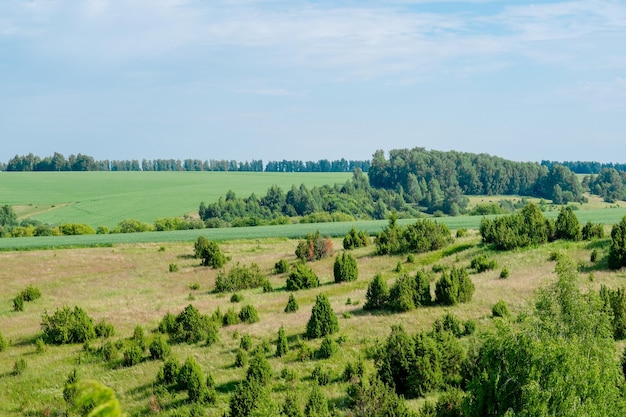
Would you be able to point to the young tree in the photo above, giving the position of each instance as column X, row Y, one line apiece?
column 210, row 253
column 323, row 320
column 302, row 277
column 282, row 346
column 377, row 294
column 317, row 405
column 617, row 250
column 567, row 225
column 292, row 304
column 345, row 268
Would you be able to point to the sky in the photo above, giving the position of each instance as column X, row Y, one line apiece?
column 309, row 80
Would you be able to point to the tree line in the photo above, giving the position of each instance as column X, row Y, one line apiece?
column 81, row 162
column 586, row 167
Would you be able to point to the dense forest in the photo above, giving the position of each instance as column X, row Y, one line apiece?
column 80, row 162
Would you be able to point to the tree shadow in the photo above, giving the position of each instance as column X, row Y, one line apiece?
column 227, row 387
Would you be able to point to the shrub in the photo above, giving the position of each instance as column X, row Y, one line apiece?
column 315, row 247
column 212, row 332
column 18, row 303
column 246, row 342
column 617, row 250
column 422, row 236
column 139, row 338
column 188, row 326
column 132, row 226
column 109, row 352
column 504, row 273
column 281, row 266
column 592, row 231
column 320, row 376
column 282, row 346
column 71, row 229
column 241, row 358
column 236, row 298
column 40, row 345
column 173, row 267
column 230, row 318
column 454, row 287
column 210, row 253
column 267, row 286
column 567, row 225
column 159, row 349
column 20, row 366
column 461, row 232
column 302, row 277
column 305, row 352
column 422, row 295
column 192, row 379
column 328, row 348
column 317, row 405
column 239, row 277
column 104, row 329
column 470, row 327
column 500, row 309
column 67, row 326
column 169, row 373
column 3, row 343
column 377, row 294
column 482, row 263
column 402, row 294
column 355, row 239
column 290, row 408
column 248, row 314
column 528, row 227
column 292, row 304
column 132, row 355
column 345, row 268
column 31, row 293
column 323, row 320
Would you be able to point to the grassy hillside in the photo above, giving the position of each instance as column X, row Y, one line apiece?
column 105, row 198
column 130, row 285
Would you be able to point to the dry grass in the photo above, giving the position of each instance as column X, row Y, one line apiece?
column 131, row 285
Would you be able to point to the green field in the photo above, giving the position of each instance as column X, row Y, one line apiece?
column 106, row 198
column 606, row 216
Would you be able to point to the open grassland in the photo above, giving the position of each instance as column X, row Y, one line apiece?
column 106, row 198
column 606, row 216
column 130, row 285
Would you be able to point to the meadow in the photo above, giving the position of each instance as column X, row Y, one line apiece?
column 106, row 198
column 130, row 285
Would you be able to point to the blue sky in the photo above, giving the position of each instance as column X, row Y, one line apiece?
column 296, row 79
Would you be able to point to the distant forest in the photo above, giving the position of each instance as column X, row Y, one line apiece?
column 80, row 162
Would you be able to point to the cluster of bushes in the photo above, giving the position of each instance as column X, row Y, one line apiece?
column 530, row 227
column 188, row 377
column 240, row 277
column 614, row 301
column 592, row 231
column 414, row 366
column 422, row 236
column 345, row 268
column 355, row 239
column 617, row 250
column 314, row 247
column 67, row 326
column 30, row 293
column 482, row 263
column 191, row 326
column 409, row 292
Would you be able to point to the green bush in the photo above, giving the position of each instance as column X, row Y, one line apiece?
column 317, row 405
column 104, row 329
column 20, row 366
column 323, row 320
column 377, row 294
column 31, row 293
column 328, row 348
column 67, row 326
column 292, row 304
column 402, row 294
column 139, row 337
column 355, row 239
column 302, row 277
column 169, row 372
column 454, row 286
column 482, row 263
column 345, row 268
column 290, row 407
column 241, row 358
column 422, row 236
column 3, row 343
column 109, row 352
column 71, row 229
column 133, row 354
column 246, row 342
column 592, row 231
column 40, row 345
column 320, row 376
column 282, row 346
column 240, row 277
column 230, row 318
column 617, row 250
column 248, row 314
column 500, row 309
column 281, row 266
column 210, row 252
column 18, row 303
column 159, row 349
column 188, row 326
column 173, row 267
column 132, row 226
column 504, row 273
column 567, row 225
column 236, row 298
